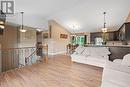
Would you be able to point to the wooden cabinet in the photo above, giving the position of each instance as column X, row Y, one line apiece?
column 116, row 36
column 112, row 36
column 124, row 32
column 95, row 35
column 127, row 31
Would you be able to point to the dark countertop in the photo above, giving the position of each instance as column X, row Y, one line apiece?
column 107, row 45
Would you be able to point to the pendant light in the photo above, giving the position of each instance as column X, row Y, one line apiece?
column 74, row 34
column 104, row 29
column 22, row 27
column 2, row 19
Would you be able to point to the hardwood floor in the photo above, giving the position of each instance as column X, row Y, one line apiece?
column 58, row 72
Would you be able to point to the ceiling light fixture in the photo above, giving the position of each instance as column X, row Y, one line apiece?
column 22, row 30
column 1, row 22
column 104, row 29
column 22, row 27
column 2, row 26
column 39, row 30
column 74, row 34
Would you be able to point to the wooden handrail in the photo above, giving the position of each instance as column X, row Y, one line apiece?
column 26, row 58
column 31, row 54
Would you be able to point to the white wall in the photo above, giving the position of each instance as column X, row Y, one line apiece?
column 55, row 47
column 56, row 44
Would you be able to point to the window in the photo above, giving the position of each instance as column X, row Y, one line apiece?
column 80, row 40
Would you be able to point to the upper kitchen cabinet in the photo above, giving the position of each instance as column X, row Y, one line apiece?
column 124, row 32
column 112, row 36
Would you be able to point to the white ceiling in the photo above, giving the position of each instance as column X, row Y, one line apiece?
column 85, row 15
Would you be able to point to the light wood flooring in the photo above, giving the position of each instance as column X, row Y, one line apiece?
column 58, row 72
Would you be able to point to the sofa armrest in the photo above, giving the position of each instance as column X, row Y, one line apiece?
column 116, row 75
column 117, row 67
column 118, row 61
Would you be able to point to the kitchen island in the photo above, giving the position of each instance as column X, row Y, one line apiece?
column 117, row 51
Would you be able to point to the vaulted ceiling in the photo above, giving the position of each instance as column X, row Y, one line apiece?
column 84, row 15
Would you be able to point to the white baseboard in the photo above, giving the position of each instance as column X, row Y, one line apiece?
column 56, row 53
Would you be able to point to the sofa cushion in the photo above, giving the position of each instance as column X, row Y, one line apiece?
column 96, row 51
column 115, row 75
column 86, row 51
column 102, row 51
column 117, row 67
column 110, row 84
column 98, row 58
column 118, row 61
column 78, row 57
column 126, row 60
column 79, row 49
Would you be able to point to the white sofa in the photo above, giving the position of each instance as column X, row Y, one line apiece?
column 117, row 73
column 97, row 56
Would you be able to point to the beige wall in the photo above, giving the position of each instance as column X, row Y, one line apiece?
column 0, row 60
column 57, row 44
column 57, row 29
column 128, row 18
column 13, row 38
column 28, row 38
column 10, row 37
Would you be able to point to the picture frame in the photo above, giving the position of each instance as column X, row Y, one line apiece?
column 64, row 36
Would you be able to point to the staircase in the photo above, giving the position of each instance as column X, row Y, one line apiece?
column 20, row 57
